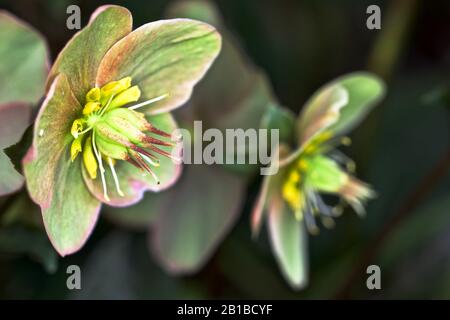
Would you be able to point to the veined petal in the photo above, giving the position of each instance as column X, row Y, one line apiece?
column 163, row 57
column 133, row 181
column 321, row 111
column 55, row 183
column 81, row 56
column 340, row 105
column 365, row 90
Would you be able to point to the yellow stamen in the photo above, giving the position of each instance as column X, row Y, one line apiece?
column 303, row 164
column 346, row 141
column 91, row 107
column 75, row 149
column 89, row 160
column 93, row 95
column 129, row 95
column 114, row 87
column 77, row 127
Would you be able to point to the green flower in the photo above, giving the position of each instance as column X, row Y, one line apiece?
column 102, row 134
column 23, row 68
column 292, row 197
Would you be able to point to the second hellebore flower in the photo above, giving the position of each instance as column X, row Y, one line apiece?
column 293, row 196
column 103, row 131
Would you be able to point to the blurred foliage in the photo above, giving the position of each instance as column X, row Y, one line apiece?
column 300, row 45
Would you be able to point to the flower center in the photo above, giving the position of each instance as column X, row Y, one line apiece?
column 315, row 172
column 109, row 130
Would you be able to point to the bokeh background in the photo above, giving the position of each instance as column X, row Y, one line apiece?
column 402, row 149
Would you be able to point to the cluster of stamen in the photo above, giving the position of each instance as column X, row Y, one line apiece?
column 110, row 130
column 318, row 170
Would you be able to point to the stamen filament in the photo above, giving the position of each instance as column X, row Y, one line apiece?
column 102, row 111
column 143, row 104
column 102, row 169
column 116, row 180
column 153, row 163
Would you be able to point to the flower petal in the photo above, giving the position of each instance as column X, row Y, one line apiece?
column 24, row 64
column 340, row 105
column 81, row 56
column 55, row 183
column 365, row 90
column 163, row 57
column 133, row 181
column 198, row 212
column 289, row 242
column 321, row 111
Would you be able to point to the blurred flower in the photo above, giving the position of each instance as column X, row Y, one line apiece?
column 292, row 197
column 100, row 73
column 190, row 220
column 23, row 68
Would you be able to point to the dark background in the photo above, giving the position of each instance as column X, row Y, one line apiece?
column 402, row 149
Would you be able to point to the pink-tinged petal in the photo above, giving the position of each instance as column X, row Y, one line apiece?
column 321, row 111
column 24, row 61
column 81, row 56
column 55, row 183
column 340, row 105
column 194, row 217
column 289, row 242
column 133, row 181
column 163, row 57
column 270, row 184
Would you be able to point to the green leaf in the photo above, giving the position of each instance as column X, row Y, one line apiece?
column 11, row 180
column 55, row 183
column 81, row 56
column 289, row 243
column 14, row 119
column 23, row 54
column 197, row 9
column 133, row 181
column 32, row 242
column 197, row 213
column 163, row 57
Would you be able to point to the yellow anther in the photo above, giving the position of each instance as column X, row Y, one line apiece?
column 346, row 141
column 93, row 95
column 303, row 164
column 75, row 149
column 77, row 127
column 294, row 176
column 91, row 107
column 115, row 87
column 129, row 95
column 90, row 163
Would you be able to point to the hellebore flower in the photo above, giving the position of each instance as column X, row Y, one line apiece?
column 292, row 198
column 23, row 68
column 102, row 134
column 209, row 198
